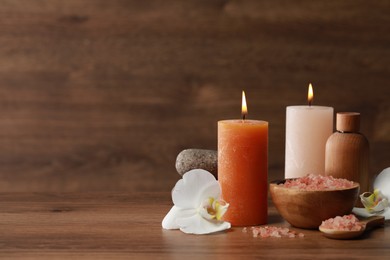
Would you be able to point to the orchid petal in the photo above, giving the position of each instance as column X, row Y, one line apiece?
column 199, row 225
column 195, row 186
column 381, row 206
column 382, row 182
column 222, row 207
column 170, row 220
column 213, row 209
column 374, row 202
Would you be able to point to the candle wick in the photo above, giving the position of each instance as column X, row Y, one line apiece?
column 243, row 117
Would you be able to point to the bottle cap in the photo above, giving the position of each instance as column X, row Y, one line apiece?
column 348, row 122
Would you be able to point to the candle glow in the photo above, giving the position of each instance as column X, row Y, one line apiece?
column 310, row 94
column 244, row 108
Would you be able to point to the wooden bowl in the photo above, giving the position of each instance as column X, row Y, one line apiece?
column 307, row 209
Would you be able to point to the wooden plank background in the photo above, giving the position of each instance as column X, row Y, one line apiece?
column 102, row 95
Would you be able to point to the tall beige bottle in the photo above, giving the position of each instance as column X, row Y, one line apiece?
column 347, row 151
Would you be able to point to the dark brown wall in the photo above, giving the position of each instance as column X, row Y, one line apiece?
column 102, row 95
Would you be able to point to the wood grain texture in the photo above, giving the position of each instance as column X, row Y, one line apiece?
column 347, row 156
column 123, row 225
column 102, row 95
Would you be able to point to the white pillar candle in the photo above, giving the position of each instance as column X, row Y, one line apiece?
column 307, row 130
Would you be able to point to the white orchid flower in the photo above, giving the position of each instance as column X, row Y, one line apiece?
column 374, row 202
column 197, row 208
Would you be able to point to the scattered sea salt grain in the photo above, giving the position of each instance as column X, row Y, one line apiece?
column 344, row 223
column 317, row 182
column 270, row 231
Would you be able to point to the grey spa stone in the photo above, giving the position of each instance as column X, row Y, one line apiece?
column 190, row 159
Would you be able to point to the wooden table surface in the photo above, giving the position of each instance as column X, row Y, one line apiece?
column 123, row 225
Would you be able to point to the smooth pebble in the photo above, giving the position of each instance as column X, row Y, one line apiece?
column 190, row 159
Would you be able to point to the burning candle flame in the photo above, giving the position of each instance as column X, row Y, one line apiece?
column 244, row 109
column 310, row 94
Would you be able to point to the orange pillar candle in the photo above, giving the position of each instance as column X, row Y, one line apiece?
column 243, row 169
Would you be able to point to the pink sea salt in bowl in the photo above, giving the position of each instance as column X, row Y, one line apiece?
column 307, row 201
